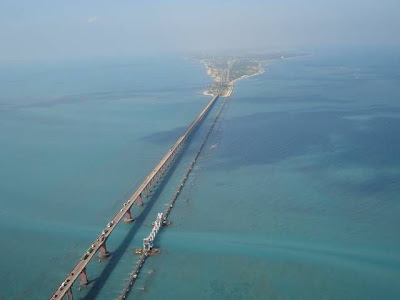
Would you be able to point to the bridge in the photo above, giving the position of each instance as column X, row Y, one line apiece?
column 99, row 244
column 161, row 219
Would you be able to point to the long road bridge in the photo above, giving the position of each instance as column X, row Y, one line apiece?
column 162, row 217
column 99, row 245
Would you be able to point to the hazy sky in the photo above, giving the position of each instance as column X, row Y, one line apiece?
column 36, row 29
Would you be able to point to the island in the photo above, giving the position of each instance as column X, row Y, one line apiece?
column 227, row 69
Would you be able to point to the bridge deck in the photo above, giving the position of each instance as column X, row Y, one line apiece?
column 100, row 240
column 133, row 276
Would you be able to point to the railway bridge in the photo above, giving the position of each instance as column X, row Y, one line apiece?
column 99, row 244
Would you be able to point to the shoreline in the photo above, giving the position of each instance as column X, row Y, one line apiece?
column 231, row 83
column 217, row 74
column 261, row 71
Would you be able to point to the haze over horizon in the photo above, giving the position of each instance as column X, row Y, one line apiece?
column 47, row 29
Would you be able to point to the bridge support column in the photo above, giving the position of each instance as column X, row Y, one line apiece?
column 69, row 294
column 139, row 199
column 84, row 279
column 128, row 217
column 103, row 253
column 146, row 191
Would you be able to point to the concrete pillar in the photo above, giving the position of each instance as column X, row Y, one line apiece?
column 103, row 253
column 70, row 296
column 128, row 217
column 139, row 199
column 84, row 279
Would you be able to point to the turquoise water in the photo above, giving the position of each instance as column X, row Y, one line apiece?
column 295, row 196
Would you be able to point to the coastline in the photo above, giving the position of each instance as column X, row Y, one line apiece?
column 221, row 84
column 261, row 71
column 230, row 85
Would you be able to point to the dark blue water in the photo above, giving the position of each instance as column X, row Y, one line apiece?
column 295, row 197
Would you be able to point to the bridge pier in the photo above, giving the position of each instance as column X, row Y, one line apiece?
column 145, row 191
column 103, row 253
column 84, row 279
column 139, row 199
column 128, row 217
column 70, row 296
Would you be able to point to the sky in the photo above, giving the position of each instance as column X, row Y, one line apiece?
column 56, row 29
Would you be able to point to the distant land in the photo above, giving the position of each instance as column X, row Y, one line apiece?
column 226, row 70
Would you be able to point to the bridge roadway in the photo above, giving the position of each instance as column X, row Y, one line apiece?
column 80, row 268
column 133, row 276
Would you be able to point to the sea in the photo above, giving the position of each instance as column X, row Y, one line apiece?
column 296, row 194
